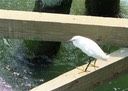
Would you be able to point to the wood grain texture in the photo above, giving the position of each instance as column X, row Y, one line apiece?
column 76, row 81
column 59, row 27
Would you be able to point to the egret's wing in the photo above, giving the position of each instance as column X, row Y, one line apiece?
column 87, row 48
column 99, row 54
column 92, row 49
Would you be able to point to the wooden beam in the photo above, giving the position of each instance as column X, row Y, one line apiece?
column 58, row 27
column 76, row 81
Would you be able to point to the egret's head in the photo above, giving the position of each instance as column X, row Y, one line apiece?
column 73, row 39
column 76, row 38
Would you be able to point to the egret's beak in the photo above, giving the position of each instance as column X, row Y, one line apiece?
column 70, row 40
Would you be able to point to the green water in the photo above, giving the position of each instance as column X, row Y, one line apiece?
column 21, row 76
column 120, row 83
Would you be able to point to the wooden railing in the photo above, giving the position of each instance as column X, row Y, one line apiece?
column 58, row 27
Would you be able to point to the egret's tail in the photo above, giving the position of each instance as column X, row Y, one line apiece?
column 107, row 57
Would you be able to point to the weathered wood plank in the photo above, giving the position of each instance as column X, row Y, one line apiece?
column 75, row 81
column 58, row 27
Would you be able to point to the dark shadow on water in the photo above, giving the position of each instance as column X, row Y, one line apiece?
column 40, row 61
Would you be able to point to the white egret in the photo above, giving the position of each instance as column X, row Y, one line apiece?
column 90, row 48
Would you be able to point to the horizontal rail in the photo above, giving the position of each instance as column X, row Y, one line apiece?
column 76, row 81
column 59, row 27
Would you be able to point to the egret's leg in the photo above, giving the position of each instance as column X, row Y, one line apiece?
column 85, row 69
column 94, row 65
column 88, row 64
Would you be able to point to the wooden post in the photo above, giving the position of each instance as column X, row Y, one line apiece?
column 59, row 27
column 76, row 81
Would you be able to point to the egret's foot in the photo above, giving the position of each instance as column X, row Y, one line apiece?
column 82, row 70
column 92, row 65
